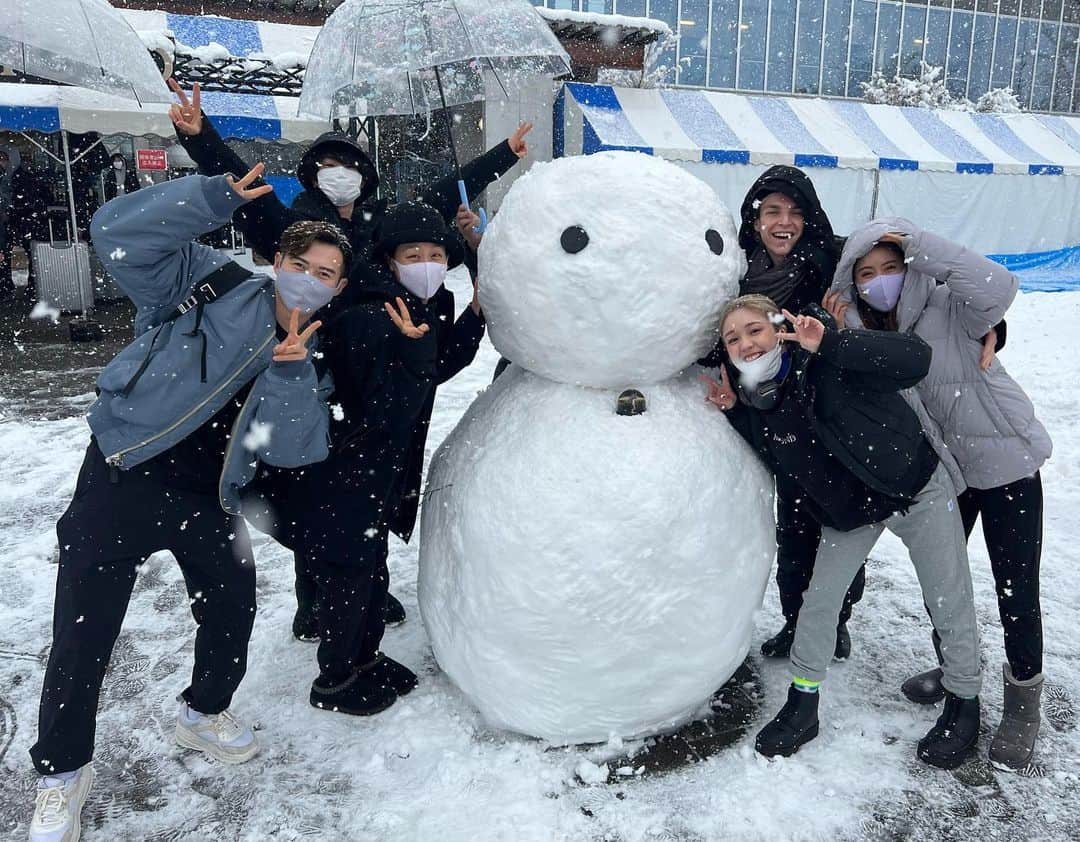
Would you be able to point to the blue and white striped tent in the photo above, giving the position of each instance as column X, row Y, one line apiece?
column 52, row 108
column 999, row 183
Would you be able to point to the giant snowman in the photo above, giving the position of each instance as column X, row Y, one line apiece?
column 585, row 571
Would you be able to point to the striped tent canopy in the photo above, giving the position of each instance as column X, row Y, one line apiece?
column 52, row 108
column 710, row 126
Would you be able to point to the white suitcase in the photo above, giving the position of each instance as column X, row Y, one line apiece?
column 62, row 273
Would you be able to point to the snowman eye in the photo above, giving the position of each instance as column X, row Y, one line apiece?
column 574, row 239
column 715, row 241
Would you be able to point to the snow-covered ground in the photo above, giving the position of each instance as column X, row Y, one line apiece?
column 429, row 770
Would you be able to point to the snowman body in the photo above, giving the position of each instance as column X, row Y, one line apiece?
column 585, row 574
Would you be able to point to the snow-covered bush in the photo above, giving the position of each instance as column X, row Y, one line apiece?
column 928, row 90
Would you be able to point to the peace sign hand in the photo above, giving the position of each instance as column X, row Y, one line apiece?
column 517, row 140
column 243, row 186
column 403, row 320
column 808, row 331
column 293, row 349
column 187, row 116
column 720, row 395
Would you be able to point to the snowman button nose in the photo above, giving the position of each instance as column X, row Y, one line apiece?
column 631, row 402
column 574, row 239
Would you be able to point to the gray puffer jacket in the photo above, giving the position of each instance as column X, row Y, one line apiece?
column 951, row 298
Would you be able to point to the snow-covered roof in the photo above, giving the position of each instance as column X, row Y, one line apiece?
column 711, row 126
column 627, row 30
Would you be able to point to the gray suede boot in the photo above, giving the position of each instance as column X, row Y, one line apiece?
column 1014, row 741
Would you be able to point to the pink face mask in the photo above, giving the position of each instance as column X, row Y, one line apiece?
column 882, row 292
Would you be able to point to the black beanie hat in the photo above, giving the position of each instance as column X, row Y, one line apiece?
column 416, row 222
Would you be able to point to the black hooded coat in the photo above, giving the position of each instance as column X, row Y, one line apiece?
column 806, row 274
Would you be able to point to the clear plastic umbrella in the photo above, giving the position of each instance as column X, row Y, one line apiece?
column 380, row 57
column 376, row 57
column 79, row 42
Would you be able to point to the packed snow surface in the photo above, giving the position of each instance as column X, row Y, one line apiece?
column 583, row 574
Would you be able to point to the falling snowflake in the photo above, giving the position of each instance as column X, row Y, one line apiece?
column 258, row 435
column 118, row 253
column 44, row 310
column 337, row 411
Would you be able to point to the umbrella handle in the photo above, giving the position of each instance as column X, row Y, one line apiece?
column 464, row 194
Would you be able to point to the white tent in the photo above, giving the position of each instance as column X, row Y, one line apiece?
column 52, row 108
column 1001, row 184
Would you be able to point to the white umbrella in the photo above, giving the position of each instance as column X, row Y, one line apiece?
column 79, row 42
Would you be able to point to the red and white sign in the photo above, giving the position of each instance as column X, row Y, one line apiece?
column 151, row 159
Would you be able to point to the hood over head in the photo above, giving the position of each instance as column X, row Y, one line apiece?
column 917, row 286
column 818, row 242
column 340, row 146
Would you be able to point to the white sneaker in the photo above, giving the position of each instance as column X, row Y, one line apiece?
column 58, row 805
column 220, row 735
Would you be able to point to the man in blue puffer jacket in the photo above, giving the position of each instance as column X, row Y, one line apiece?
column 218, row 379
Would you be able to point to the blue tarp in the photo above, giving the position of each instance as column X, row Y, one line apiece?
column 1047, row 271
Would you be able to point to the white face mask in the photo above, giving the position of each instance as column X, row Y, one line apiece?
column 340, row 185
column 765, row 367
column 421, row 279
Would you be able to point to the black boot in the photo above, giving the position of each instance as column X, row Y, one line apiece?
column 395, row 611
column 924, row 688
column 305, row 626
column 361, row 694
column 795, row 725
column 843, row 643
column 397, row 676
column 952, row 740
column 779, row 645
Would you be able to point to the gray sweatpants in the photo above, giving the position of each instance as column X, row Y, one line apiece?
column 934, row 535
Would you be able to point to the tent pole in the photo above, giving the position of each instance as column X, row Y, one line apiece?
column 874, row 200
column 74, row 231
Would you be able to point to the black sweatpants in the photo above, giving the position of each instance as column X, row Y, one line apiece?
column 343, row 547
column 1012, row 526
column 114, row 522
column 797, row 537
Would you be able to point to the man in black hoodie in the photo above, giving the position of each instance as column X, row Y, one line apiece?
column 791, row 253
column 340, row 182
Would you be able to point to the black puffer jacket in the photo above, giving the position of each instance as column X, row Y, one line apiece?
column 842, row 435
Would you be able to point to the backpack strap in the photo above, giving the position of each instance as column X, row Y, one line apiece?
column 225, row 278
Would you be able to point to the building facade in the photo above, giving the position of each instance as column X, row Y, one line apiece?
column 829, row 47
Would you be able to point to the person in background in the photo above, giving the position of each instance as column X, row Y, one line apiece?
column 831, row 420
column 27, row 213
column 386, row 353
column 7, row 285
column 894, row 276
column 119, row 178
column 340, row 183
column 791, row 255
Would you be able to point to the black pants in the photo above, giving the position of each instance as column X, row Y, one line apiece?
column 797, row 538
column 339, row 543
column 1012, row 526
column 341, row 556
column 114, row 522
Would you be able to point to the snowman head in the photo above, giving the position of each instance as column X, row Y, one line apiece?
column 608, row 270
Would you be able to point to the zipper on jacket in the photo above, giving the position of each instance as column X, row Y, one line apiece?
column 117, row 459
column 232, row 440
